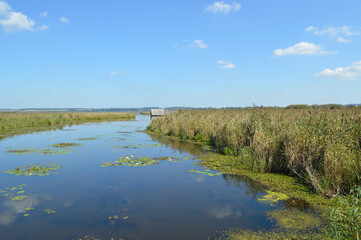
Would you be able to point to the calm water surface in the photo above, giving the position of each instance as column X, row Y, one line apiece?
column 163, row 201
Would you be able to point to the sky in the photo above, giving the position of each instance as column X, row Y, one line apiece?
column 141, row 53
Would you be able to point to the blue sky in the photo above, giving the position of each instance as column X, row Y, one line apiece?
column 203, row 53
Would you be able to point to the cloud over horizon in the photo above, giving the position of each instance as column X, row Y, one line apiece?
column 343, row 73
column 221, row 7
column 302, row 48
column 226, row 64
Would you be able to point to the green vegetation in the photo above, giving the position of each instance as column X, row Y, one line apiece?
column 12, row 123
column 87, row 139
column 65, row 145
column 36, row 151
column 320, row 146
column 39, row 169
column 206, row 172
column 131, row 161
column 273, row 197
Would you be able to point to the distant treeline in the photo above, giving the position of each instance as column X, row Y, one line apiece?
column 321, row 146
column 324, row 106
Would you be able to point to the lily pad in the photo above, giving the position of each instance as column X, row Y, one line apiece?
column 206, row 172
column 49, row 211
column 131, row 162
column 26, row 214
column 39, row 169
column 18, row 198
column 64, row 145
column 273, row 197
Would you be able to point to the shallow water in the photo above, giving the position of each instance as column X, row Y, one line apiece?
column 162, row 201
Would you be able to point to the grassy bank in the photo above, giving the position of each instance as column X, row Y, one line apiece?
column 321, row 147
column 20, row 123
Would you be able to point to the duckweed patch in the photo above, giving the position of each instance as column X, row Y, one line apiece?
column 65, row 145
column 131, row 161
column 294, row 219
column 206, row 172
column 39, row 169
column 39, row 151
column 273, row 197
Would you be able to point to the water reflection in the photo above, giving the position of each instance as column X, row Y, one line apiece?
column 13, row 208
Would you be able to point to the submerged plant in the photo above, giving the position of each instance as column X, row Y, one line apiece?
column 87, row 139
column 64, row 145
column 131, row 161
column 206, row 172
column 39, row 169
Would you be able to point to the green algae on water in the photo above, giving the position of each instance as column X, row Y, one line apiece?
column 39, row 169
column 49, row 211
column 131, row 161
column 294, row 219
column 273, row 197
column 65, row 145
column 206, row 172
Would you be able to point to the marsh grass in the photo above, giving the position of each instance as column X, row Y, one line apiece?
column 320, row 146
column 19, row 123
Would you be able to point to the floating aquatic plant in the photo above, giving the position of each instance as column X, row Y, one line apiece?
column 64, row 145
column 273, row 197
column 170, row 159
column 294, row 219
column 39, row 169
column 87, row 139
column 49, row 211
column 39, row 151
column 206, row 172
column 131, row 161
column 18, row 198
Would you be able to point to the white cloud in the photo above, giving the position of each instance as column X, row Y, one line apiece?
column 64, row 20
column 343, row 40
column 302, row 48
column 335, row 32
column 221, row 7
column 44, row 14
column 43, row 27
column 14, row 21
column 343, row 73
column 226, row 64
column 199, row 44
column 121, row 73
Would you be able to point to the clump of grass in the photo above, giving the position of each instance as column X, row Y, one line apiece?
column 320, row 146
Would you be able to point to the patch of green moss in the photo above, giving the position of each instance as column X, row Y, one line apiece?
column 65, row 145
column 39, row 169
column 131, row 161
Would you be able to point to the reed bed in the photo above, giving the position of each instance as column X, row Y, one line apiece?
column 12, row 123
column 320, row 146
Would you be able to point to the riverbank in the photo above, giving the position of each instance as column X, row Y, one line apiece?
column 321, row 147
column 12, row 123
column 312, row 155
